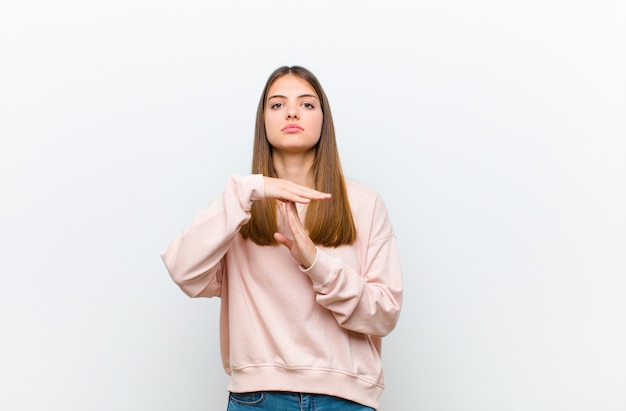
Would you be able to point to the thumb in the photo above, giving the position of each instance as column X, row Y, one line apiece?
column 282, row 239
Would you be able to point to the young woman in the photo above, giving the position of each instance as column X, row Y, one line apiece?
column 304, row 261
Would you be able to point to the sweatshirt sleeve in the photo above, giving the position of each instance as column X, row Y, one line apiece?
column 194, row 258
column 369, row 301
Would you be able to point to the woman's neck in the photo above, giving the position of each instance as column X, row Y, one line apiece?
column 295, row 167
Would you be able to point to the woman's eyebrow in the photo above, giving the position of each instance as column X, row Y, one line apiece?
column 300, row 96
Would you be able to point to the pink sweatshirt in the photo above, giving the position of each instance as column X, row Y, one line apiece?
column 283, row 328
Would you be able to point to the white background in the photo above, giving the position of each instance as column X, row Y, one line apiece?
column 495, row 131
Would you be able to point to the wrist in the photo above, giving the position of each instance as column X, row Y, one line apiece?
column 308, row 264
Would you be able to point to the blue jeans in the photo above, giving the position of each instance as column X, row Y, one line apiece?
column 290, row 401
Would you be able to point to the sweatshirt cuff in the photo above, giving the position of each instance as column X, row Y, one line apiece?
column 323, row 271
column 306, row 270
column 250, row 188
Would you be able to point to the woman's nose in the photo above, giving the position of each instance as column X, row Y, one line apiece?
column 292, row 112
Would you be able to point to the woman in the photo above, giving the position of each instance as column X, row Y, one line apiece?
column 304, row 261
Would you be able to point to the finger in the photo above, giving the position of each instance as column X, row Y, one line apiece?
column 290, row 191
column 313, row 194
column 298, row 195
column 293, row 219
column 301, row 247
column 299, row 233
column 310, row 193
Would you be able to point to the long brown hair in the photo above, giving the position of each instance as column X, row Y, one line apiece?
column 329, row 222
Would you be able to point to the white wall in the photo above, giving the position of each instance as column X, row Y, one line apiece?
column 494, row 130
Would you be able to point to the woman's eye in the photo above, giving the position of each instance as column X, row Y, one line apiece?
column 276, row 105
column 308, row 105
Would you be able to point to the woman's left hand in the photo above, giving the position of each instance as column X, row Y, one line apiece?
column 301, row 247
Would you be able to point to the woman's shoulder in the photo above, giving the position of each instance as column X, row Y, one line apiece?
column 368, row 208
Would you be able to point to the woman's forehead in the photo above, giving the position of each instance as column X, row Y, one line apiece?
column 291, row 85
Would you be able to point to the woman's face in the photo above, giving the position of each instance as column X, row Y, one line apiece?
column 293, row 115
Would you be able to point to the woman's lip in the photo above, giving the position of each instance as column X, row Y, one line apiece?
column 291, row 128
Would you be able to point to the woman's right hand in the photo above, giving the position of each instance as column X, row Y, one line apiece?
column 286, row 190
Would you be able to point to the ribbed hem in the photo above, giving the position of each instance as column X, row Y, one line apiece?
column 273, row 377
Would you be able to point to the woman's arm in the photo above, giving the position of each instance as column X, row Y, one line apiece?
column 368, row 302
column 194, row 258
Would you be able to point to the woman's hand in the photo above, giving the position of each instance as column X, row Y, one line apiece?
column 286, row 190
column 301, row 247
